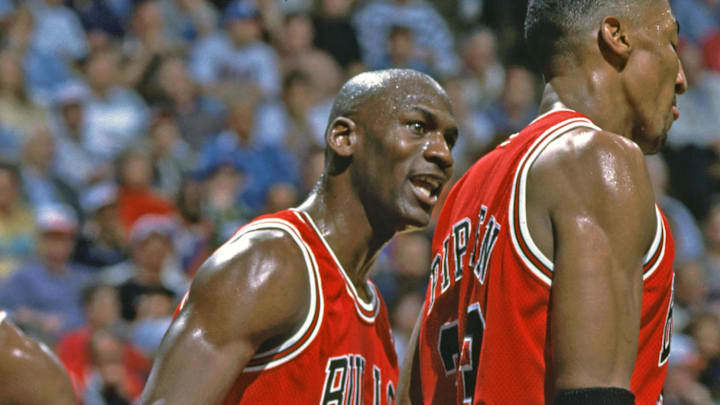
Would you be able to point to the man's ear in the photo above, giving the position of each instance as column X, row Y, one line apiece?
column 614, row 41
column 341, row 136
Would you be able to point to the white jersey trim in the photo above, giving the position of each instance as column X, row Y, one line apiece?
column 521, row 175
column 372, row 306
column 316, row 295
column 658, row 243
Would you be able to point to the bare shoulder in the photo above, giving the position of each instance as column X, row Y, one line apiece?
column 29, row 372
column 598, row 166
column 594, row 179
column 255, row 282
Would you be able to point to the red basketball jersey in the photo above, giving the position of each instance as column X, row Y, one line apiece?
column 343, row 354
column 485, row 334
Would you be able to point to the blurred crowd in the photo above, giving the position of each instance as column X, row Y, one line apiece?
column 137, row 135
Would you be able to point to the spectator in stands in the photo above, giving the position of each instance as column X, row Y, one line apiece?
column 517, row 105
column 237, row 54
column 43, row 294
column 198, row 116
column 712, row 252
column 403, row 317
column 41, row 183
column 484, row 77
column 115, row 116
column 297, row 51
column 682, row 386
column 44, row 70
column 152, row 267
column 189, row 19
column 110, row 381
column 225, row 182
column 58, row 30
column 374, row 21
column 102, row 312
column 75, row 164
column 694, row 140
column 103, row 20
column 335, row 34
column 103, row 240
column 705, row 331
column 17, row 232
column 313, row 166
column 137, row 195
column 262, row 165
column 402, row 52
column 172, row 156
column 18, row 112
column 686, row 234
column 194, row 237
column 691, row 293
column 147, row 44
column 291, row 121
column 405, row 270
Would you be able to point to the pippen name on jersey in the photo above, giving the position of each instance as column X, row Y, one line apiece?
column 451, row 260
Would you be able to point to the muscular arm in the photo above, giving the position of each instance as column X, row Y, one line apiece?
column 596, row 191
column 251, row 291
column 29, row 373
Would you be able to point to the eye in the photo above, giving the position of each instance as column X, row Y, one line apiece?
column 417, row 127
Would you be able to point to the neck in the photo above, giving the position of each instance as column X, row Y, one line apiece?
column 345, row 224
column 594, row 94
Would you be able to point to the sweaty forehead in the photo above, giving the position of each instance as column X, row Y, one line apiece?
column 403, row 93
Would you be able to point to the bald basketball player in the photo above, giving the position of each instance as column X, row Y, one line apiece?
column 551, row 279
column 29, row 373
column 284, row 313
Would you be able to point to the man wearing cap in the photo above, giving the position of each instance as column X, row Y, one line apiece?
column 102, row 241
column 41, row 295
column 238, row 53
column 150, row 269
column 75, row 163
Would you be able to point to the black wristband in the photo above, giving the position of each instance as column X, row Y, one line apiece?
column 595, row 396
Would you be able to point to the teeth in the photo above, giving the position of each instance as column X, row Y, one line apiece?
column 424, row 191
column 428, row 182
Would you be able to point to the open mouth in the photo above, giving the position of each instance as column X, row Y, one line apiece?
column 427, row 188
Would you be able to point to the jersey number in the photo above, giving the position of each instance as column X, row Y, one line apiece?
column 463, row 359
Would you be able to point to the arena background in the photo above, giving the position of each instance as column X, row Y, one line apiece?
column 135, row 136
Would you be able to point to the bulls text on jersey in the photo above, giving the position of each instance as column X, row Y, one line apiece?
column 343, row 382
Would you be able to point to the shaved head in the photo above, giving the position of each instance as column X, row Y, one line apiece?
column 381, row 86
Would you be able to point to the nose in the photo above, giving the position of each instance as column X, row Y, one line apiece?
column 438, row 151
column 680, row 80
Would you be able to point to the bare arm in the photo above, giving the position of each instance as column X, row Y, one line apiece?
column 409, row 389
column 601, row 209
column 29, row 373
column 250, row 291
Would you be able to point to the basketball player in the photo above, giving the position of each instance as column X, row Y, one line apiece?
column 283, row 313
column 551, row 280
column 29, row 373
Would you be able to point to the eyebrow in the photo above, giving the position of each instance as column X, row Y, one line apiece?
column 677, row 24
column 432, row 120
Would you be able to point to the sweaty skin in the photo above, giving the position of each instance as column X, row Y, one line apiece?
column 29, row 373
column 253, row 292
column 590, row 205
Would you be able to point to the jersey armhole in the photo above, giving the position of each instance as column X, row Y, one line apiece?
column 535, row 261
column 301, row 339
